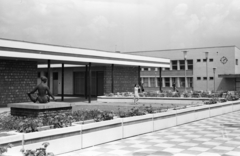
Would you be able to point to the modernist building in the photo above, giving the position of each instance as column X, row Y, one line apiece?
column 218, row 70
column 97, row 72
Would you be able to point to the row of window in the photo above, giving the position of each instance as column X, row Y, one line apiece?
column 154, row 82
column 205, row 78
column 181, row 65
column 204, row 60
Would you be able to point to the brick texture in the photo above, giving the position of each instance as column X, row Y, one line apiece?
column 124, row 79
column 16, row 79
column 40, row 112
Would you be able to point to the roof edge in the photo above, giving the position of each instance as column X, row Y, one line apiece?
column 181, row 49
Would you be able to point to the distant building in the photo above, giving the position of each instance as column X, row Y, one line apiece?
column 225, row 59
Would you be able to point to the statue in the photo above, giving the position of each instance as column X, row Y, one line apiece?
column 44, row 93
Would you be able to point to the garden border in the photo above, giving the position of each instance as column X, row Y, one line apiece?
column 73, row 138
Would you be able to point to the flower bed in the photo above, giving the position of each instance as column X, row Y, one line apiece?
column 87, row 135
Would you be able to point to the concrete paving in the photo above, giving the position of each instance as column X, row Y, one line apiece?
column 217, row 136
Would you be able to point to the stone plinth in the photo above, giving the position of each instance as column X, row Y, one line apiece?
column 30, row 109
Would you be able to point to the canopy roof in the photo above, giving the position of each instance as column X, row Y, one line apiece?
column 60, row 54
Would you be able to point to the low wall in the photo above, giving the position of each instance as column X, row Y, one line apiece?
column 30, row 109
column 153, row 100
column 77, row 137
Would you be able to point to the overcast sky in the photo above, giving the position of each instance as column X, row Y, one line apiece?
column 123, row 25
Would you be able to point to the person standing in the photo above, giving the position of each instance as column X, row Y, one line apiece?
column 136, row 95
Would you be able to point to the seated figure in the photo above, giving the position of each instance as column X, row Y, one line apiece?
column 43, row 92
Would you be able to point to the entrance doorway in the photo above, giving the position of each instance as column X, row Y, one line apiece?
column 97, row 88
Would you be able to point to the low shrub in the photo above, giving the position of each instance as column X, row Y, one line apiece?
column 211, row 101
column 38, row 151
column 4, row 149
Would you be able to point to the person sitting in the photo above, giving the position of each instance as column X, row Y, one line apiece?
column 43, row 92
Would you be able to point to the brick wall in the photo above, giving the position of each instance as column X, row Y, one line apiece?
column 124, row 78
column 16, row 79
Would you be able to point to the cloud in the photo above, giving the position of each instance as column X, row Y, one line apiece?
column 180, row 10
column 130, row 24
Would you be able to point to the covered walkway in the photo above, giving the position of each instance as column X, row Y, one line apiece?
column 19, row 59
column 218, row 136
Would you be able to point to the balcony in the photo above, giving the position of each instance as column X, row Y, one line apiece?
column 167, row 73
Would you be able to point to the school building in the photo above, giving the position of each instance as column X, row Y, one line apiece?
column 206, row 68
column 71, row 71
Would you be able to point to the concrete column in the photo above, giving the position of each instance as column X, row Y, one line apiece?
column 86, row 81
column 156, row 82
column 163, row 82
column 49, row 69
column 178, row 81
column 160, row 78
column 90, row 82
column 62, row 96
column 112, row 78
column 178, row 65
column 170, row 82
column 139, row 75
column 149, row 84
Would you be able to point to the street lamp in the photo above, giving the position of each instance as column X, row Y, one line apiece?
column 185, row 59
column 206, row 55
column 214, row 71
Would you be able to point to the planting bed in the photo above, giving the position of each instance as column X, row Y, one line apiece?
column 80, row 136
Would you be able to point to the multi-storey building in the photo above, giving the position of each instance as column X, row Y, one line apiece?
column 218, row 70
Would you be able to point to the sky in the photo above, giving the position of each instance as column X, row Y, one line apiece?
column 123, row 25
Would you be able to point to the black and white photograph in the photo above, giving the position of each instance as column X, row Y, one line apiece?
column 119, row 77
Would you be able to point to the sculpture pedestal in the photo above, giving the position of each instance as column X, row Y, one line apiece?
column 30, row 109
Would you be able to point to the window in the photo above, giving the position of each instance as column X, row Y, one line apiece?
column 210, row 60
column 190, row 64
column 198, row 78
column 145, row 82
column 182, row 64
column 182, row 81
column 174, row 65
column 204, row 78
column 167, row 82
column 211, row 78
column 236, row 61
column 190, row 82
column 152, row 82
column 39, row 74
column 204, row 60
column 166, row 68
column 198, row 60
column 145, row 69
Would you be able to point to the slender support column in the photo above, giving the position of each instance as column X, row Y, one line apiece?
column 160, row 79
column 49, row 66
column 139, row 75
column 96, row 83
column 90, row 82
column 86, row 81
column 112, row 78
column 62, row 82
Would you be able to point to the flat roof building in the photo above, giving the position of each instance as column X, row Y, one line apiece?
column 108, row 71
column 218, row 70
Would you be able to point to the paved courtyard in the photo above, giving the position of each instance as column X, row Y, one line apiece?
column 218, row 136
